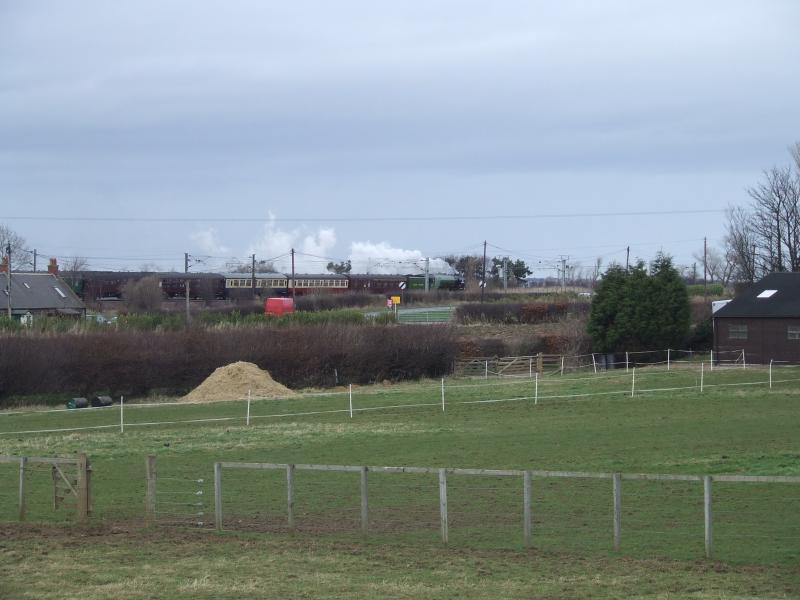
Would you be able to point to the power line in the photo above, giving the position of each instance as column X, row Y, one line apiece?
column 408, row 218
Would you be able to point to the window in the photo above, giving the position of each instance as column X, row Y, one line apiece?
column 59, row 292
column 793, row 332
column 737, row 332
column 767, row 294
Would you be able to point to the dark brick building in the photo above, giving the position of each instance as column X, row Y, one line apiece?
column 764, row 321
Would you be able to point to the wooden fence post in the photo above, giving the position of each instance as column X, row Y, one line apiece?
column 82, row 504
column 218, row 496
column 364, row 502
column 617, row 510
column 22, row 462
column 443, row 503
column 150, row 490
column 540, row 363
column 526, row 508
column 709, row 531
column 290, row 495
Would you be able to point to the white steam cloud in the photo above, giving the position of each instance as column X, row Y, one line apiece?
column 311, row 248
column 384, row 259
column 208, row 242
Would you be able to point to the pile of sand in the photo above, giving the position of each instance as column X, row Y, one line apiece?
column 234, row 381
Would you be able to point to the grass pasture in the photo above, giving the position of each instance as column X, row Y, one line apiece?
column 737, row 425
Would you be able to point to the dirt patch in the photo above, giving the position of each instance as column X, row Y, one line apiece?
column 235, row 381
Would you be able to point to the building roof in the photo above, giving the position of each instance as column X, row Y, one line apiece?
column 40, row 291
column 777, row 295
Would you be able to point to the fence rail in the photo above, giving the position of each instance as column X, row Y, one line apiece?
column 527, row 483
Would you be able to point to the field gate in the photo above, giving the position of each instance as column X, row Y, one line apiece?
column 70, row 483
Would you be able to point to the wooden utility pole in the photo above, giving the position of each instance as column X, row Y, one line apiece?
column 627, row 257
column 253, row 273
column 483, row 277
column 705, row 269
column 293, row 285
column 34, row 260
column 186, row 285
column 8, row 278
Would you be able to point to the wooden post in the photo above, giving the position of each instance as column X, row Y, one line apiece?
column 536, row 389
column 218, row 496
column 290, row 495
column 708, row 516
column 22, row 509
column 150, row 489
column 82, row 504
column 562, row 365
column 247, row 420
column 594, row 364
column 122, row 414
column 617, row 510
column 526, row 508
column 486, row 369
column 667, row 359
column 364, row 502
column 442, row 394
column 540, row 363
column 633, row 382
column 530, row 367
column 770, row 373
column 744, row 360
column 626, row 362
column 443, row 503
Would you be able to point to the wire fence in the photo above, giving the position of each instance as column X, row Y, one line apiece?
column 442, row 396
column 724, row 516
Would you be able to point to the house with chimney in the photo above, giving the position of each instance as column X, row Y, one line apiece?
column 31, row 295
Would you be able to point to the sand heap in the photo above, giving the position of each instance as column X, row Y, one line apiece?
column 233, row 381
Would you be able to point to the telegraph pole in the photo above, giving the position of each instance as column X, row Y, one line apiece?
column 564, row 273
column 34, row 260
column 505, row 273
column 627, row 257
column 253, row 274
column 483, row 277
column 293, row 286
column 753, row 273
column 8, row 278
column 186, row 285
column 705, row 269
column 427, row 270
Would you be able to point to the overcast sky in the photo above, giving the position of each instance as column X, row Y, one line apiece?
column 260, row 126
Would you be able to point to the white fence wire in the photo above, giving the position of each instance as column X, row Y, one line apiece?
column 452, row 393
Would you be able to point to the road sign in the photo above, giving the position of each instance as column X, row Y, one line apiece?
column 402, row 285
column 395, row 299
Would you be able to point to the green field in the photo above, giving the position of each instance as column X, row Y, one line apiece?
column 737, row 425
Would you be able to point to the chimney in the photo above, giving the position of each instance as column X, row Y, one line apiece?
column 4, row 265
column 52, row 268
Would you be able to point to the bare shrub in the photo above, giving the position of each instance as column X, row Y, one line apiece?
column 173, row 362
column 143, row 295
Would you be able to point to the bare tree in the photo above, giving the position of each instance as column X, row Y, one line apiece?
column 20, row 257
column 143, row 295
column 765, row 237
column 718, row 267
column 72, row 268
